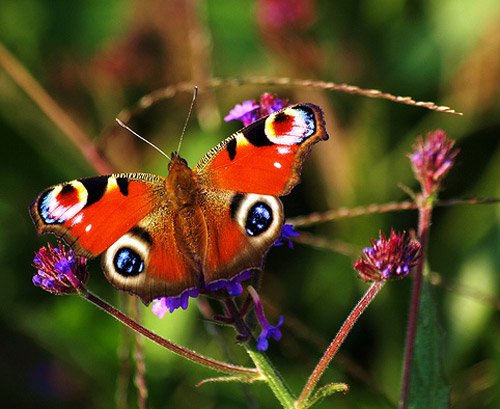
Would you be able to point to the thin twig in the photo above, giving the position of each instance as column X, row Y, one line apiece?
column 346, row 212
column 320, row 242
column 177, row 349
column 53, row 111
column 140, row 363
column 170, row 91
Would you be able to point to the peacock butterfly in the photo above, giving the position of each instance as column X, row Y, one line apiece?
column 165, row 235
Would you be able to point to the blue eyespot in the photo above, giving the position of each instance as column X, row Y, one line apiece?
column 44, row 207
column 259, row 219
column 308, row 117
column 127, row 262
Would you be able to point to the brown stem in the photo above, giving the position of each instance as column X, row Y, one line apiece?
column 140, row 363
column 345, row 212
column 425, row 213
column 177, row 349
column 55, row 113
column 170, row 91
column 337, row 342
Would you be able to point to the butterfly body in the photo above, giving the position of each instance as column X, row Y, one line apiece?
column 163, row 235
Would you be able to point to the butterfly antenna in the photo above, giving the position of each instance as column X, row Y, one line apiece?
column 142, row 138
column 195, row 94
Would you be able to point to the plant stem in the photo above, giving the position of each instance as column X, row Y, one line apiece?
column 53, row 111
column 332, row 349
column 177, row 349
column 425, row 213
column 272, row 377
column 268, row 372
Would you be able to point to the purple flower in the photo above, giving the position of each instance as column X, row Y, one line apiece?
column 250, row 111
column 388, row 258
column 268, row 330
column 276, row 15
column 432, row 159
column 59, row 271
column 244, row 112
column 232, row 285
column 270, row 103
column 169, row 304
column 287, row 231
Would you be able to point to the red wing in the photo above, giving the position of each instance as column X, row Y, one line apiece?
column 92, row 213
column 267, row 156
column 232, row 245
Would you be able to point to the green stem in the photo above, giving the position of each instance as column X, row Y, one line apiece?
column 268, row 372
column 272, row 377
column 177, row 349
column 425, row 213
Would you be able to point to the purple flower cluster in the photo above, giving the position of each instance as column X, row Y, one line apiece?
column 432, row 159
column 169, row 304
column 250, row 111
column 59, row 270
column 388, row 258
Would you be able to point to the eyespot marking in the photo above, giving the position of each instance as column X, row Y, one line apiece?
column 61, row 203
column 127, row 262
column 259, row 219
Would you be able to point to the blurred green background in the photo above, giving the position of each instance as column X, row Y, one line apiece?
column 96, row 58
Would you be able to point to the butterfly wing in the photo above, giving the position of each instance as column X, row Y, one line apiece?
column 92, row 213
column 266, row 157
column 127, row 216
column 162, row 236
column 240, row 229
column 241, row 177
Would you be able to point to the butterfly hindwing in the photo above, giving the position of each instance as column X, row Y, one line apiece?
column 239, row 232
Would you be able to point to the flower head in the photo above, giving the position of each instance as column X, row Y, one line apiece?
column 250, row 111
column 388, row 258
column 287, row 231
column 432, row 159
column 268, row 330
column 244, row 112
column 232, row 285
column 59, row 270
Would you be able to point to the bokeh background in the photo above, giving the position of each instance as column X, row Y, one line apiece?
column 95, row 58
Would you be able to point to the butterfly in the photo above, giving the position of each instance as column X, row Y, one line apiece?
column 164, row 235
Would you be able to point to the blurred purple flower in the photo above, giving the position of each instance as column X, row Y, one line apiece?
column 250, row 111
column 244, row 112
column 287, row 231
column 286, row 14
column 59, row 270
column 388, row 258
column 432, row 159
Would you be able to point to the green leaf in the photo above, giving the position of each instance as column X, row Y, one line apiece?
column 327, row 390
column 428, row 388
